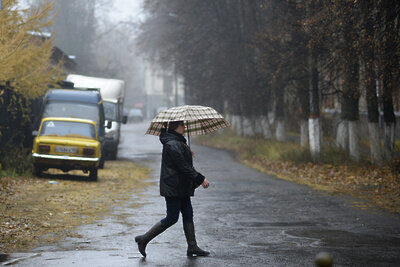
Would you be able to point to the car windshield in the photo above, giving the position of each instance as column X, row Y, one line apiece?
column 67, row 128
column 72, row 110
column 110, row 110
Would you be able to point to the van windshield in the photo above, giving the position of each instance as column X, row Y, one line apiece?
column 72, row 110
column 110, row 110
column 68, row 128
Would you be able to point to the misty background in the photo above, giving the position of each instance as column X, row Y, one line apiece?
column 314, row 72
column 100, row 36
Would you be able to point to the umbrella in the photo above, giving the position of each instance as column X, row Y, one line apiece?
column 198, row 120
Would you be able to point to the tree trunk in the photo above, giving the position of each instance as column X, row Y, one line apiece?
column 240, row 125
column 280, row 130
column 279, row 112
column 266, row 127
column 351, row 77
column 388, row 110
column 304, row 133
column 258, row 130
column 314, row 121
column 304, row 100
column 350, row 103
column 248, row 126
column 389, row 140
column 354, row 140
column 342, row 135
column 233, row 122
column 390, row 63
column 236, row 123
column 369, row 78
column 373, row 114
column 375, row 143
column 228, row 118
column 350, row 113
column 314, row 127
column 388, row 113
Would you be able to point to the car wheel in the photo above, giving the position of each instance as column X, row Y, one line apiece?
column 93, row 174
column 101, row 164
column 37, row 170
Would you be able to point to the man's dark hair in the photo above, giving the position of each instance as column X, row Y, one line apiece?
column 173, row 125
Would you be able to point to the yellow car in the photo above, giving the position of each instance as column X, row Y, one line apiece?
column 67, row 144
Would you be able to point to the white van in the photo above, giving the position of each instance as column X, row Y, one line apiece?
column 113, row 94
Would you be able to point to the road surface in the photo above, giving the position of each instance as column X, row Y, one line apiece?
column 245, row 218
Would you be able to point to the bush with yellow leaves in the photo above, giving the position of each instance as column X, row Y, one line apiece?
column 25, row 69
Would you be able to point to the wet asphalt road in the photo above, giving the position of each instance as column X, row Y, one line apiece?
column 245, row 218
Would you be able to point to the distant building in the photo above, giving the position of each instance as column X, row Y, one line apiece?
column 162, row 88
column 68, row 64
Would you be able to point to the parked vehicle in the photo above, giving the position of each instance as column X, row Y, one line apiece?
column 135, row 114
column 73, row 103
column 113, row 94
column 67, row 144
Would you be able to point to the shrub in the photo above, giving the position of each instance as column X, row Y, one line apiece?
column 15, row 161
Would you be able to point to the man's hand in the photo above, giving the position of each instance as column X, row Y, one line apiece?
column 205, row 183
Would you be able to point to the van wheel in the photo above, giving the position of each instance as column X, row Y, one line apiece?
column 93, row 174
column 113, row 154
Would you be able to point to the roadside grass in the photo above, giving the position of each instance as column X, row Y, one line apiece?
column 15, row 162
column 334, row 173
column 44, row 210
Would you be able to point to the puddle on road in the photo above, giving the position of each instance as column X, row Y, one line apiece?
column 270, row 245
column 340, row 238
column 132, row 155
column 275, row 224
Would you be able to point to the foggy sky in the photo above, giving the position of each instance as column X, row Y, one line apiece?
column 121, row 10
column 126, row 9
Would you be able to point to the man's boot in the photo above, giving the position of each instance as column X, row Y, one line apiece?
column 193, row 249
column 143, row 240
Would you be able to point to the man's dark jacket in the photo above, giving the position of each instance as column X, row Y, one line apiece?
column 178, row 177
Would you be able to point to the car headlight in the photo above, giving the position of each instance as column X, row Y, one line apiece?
column 112, row 135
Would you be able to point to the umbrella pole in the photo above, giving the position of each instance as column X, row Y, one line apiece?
column 188, row 132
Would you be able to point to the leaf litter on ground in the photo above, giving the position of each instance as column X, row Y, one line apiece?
column 43, row 210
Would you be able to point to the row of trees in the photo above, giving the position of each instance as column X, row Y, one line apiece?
column 251, row 58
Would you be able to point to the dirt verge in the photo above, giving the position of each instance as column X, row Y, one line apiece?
column 46, row 209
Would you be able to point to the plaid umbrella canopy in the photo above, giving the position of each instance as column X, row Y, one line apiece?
column 198, row 120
